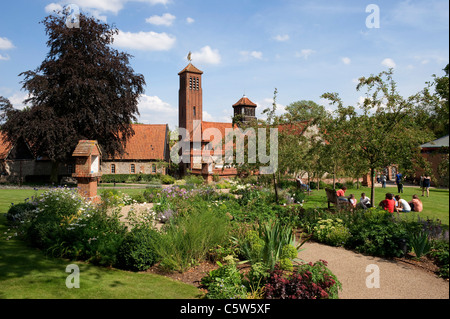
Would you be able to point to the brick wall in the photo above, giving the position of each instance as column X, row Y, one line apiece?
column 126, row 167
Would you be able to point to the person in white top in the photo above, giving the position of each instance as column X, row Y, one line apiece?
column 403, row 206
column 364, row 201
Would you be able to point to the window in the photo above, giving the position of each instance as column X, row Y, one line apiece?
column 153, row 168
column 190, row 83
column 133, row 169
column 195, row 113
column 69, row 169
column 113, row 168
column 197, row 84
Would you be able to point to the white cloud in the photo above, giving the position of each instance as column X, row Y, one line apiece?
column 153, row 110
column 17, row 100
column 388, row 63
column 102, row 6
column 253, row 54
column 207, row 55
column 346, row 60
column 268, row 103
column 305, row 53
column 5, row 44
column 282, row 38
column 4, row 57
column 190, row 20
column 147, row 41
column 49, row 8
column 166, row 19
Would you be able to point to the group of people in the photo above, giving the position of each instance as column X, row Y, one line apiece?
column 391, row 203
column 397, row 204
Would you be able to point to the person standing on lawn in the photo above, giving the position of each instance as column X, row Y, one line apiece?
column 383, row 181
column 399, row 182
column 426, row 184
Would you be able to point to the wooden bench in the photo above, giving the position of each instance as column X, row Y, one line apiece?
column 333, row 199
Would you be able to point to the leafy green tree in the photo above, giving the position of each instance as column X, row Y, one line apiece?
column 381, row 133
column 84, row 89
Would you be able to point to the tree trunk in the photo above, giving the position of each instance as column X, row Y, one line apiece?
column 54, row 173
column 334, row 177
column 372, row 191
column 275, row 187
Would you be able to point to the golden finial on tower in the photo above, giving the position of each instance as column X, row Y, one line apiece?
column 189, row 57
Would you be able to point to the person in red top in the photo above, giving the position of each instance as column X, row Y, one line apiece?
column 341, row 192
column 388, row 203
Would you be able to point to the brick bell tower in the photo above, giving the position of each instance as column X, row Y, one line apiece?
column 190, row 102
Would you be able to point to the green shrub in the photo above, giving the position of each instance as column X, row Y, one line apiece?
column 65, row 225
column 375, row 232
column 251, row 247
column 20, row 212
column 194, row 180
column 167, row 179
column 440, row 254
column 137, row 251
column 226, row 282
column 331, row 231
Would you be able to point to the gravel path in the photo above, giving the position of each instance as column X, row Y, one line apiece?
column 396, row 280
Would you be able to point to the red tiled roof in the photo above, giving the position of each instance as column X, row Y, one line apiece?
column 244, row 101
column 148, row 143
column 191, row 68
column 5, row 147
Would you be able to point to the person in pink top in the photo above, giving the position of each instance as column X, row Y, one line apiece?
column 416, row 204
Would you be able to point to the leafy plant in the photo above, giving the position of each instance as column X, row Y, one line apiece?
column 137, row 251
column 266, row 243
column 307, row 281
column 225, row 282
column 420, row 244
column 331, row 231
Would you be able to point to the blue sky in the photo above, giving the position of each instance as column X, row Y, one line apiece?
column 251, row 47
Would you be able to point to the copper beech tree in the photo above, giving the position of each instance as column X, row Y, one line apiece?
column 84, row 89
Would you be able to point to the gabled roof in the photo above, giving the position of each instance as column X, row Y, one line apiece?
column 244, row 101
column 86, row 148
column 149, row 142
column 440, row 142
column 191, row 68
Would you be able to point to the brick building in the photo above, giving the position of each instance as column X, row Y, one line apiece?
column 144, row 153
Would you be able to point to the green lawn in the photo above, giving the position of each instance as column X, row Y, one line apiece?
column 26, row 273
column 434, row 207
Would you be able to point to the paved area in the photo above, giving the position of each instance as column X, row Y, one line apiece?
column 396, row 280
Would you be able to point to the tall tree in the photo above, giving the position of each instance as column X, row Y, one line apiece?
column 84, row 89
